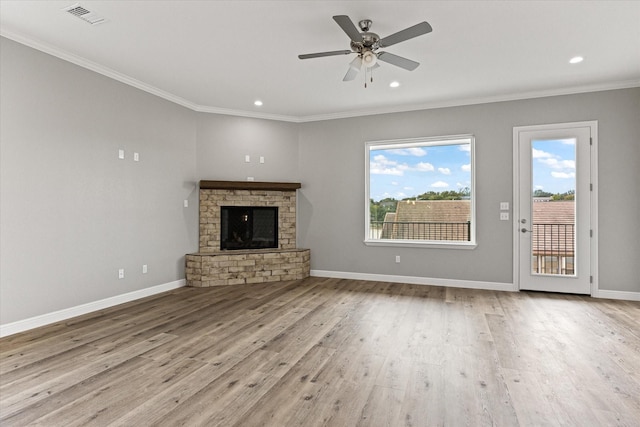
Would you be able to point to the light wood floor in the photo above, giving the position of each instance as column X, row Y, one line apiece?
column 331, row 352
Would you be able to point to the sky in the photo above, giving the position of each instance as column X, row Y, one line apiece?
column 409, row 171
column 554, row 165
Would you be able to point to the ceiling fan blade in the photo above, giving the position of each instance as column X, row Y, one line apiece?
column 406, row 34
column 398, row 61
column 347, row 26
column 354, row 69
column 321, row 54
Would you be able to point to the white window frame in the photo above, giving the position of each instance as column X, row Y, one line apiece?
column 421, row 142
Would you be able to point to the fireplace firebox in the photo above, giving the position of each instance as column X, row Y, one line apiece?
column 248, row 227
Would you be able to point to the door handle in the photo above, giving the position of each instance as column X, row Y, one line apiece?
column 524, row 230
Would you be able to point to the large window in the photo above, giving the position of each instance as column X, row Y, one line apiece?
column 421, row 192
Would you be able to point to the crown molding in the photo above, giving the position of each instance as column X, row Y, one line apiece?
column 627, row 84
column 100, row 69
column 243, row 113
column 123, row 78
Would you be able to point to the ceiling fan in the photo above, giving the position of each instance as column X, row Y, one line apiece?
column 366, row 44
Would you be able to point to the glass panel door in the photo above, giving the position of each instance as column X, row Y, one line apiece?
column 553, row 208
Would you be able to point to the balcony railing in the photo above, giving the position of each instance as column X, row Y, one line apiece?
column 553, row 239
column 552, row 248
column 456, row 231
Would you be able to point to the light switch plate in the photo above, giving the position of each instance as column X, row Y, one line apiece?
column 504, row 216
column 504, row 206
column 121, row 154
column 247, row 158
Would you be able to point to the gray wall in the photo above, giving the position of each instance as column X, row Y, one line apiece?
column 71, row 212
column 223, row 142
column 332, row 198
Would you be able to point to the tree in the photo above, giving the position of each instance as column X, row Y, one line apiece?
column 378, row 210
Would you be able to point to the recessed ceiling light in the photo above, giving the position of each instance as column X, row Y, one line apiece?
column 576, row 60
column 258, row 103
column 394, row 84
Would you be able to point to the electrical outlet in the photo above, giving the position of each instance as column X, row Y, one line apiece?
column 504, row 216
column 261, row 159
column 504, row 206
column 249, row 178
column 398, row 259
column 144, row 269
column 121, row 154
column 247, row 158
column 136, row 157
column 121, row 273
column 185, row 203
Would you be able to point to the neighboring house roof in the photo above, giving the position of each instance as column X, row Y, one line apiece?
column 553, row 228
column 561, row 212
column 429, row 220
column 387, row 229
column 433, row 211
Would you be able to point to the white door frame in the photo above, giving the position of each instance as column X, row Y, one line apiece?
column 593, row 203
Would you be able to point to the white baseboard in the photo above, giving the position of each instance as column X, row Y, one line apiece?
column 67, row 313
column 623, row 295
column 451, row 283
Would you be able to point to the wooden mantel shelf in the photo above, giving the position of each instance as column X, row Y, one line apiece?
column 249, row 185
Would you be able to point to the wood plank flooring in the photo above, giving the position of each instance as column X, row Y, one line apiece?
column 330, row 352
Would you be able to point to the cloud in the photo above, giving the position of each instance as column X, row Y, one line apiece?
column 465, row 148
column 466, row 168
column 383, row 166
column 445, row 171
column 439, row 184
column 563, row 175
column 558, row 164
column 424, row 167
column 539, row 154
column 539, row 187
column 411, row 151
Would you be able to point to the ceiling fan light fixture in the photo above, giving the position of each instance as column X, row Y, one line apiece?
column 369, row 59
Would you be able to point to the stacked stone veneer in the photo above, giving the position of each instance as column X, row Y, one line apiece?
column 214, row 267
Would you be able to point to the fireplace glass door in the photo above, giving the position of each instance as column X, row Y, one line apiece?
column 248, row 227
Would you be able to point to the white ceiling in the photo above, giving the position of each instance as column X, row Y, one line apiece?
column 220, row 56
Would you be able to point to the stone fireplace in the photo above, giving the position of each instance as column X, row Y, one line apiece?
column 237, row 255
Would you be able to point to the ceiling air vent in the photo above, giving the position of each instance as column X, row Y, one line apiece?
column 84, row 14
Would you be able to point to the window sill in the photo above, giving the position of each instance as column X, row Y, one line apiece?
column 426, row 244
